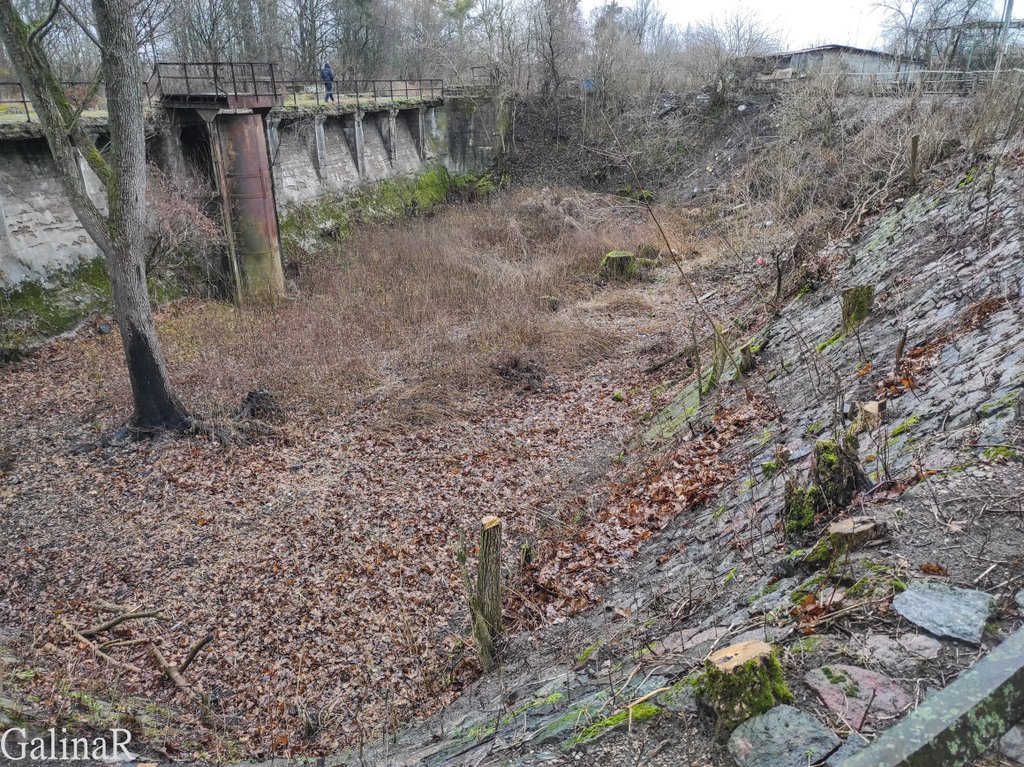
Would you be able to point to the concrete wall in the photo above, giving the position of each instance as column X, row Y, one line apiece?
column 316, row 156
column 38, row 230
column 311, row 155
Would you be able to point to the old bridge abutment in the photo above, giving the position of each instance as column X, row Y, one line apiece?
column 234, row 128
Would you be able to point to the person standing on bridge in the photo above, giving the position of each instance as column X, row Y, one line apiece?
column 327, row 74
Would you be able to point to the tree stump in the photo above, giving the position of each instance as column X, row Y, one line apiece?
column 485, row 595
column 620, row 265
column 488, row 574
column 741, row 681
column 857, row 302
column 837, row 471
column 842, row 537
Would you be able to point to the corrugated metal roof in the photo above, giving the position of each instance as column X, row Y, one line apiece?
column 835, row 47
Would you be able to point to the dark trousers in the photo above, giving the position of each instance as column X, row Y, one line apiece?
column 329, row 88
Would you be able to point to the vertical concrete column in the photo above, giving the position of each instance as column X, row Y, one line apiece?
column 172, row 145
column 421, row 133
column 319, row 147
column 360, row 145
column 273, row 126
column 392, row 135
column 93, row 186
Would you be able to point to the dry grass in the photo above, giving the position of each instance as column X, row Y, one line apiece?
column 416, row 314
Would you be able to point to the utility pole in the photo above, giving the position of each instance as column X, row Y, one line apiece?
column 1007, row 16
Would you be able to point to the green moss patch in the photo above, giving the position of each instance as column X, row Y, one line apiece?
column 331, row 217
column 1000, row 453
column 639, row 713
column 33, row 311
column 749, row 690
column 800, row 507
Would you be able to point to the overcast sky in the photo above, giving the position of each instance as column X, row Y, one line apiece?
column 799, row 23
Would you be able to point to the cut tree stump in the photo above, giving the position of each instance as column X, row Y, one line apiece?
column 485, row 595
column 488, row 574
column 842, row 537
column 852, row 532
column 857, row 303
column 741, row 681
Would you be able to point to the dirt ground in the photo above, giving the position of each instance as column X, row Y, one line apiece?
column 320, row 559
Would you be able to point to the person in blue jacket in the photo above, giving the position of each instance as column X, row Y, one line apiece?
column 327, row 75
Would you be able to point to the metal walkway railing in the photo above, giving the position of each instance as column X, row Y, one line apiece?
column 198, row 83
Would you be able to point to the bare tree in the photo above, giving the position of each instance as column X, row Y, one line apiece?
column 715, row 52
column 931, row 30
column 120, row 233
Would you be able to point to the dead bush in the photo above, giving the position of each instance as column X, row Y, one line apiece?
column 185, row 236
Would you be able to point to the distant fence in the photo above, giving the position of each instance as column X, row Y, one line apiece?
column 927, row 82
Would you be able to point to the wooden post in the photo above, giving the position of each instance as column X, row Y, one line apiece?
column 488, row 574
column 485, row 596
column 915, row 142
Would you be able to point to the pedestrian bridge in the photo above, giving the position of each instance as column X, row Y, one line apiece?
column 262, row 142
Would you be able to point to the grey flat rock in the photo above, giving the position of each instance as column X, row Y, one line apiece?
column 946, row 610
column 852, row 746
column 781, row 737
column 1012, row 744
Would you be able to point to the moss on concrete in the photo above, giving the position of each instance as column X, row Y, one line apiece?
column 331, row 216
column 34, row 311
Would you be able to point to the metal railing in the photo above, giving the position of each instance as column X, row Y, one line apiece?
column 300, row 93
column 15, row 103
column 908, row 83
column 206, row 80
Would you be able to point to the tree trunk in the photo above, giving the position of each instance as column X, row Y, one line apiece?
column 119, row 234
column 156, row 406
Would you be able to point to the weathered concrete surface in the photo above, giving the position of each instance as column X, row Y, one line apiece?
column 38, row 230
column 312, row 153
column 961, row 721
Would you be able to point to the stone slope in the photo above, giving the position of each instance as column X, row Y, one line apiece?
column 944, row 491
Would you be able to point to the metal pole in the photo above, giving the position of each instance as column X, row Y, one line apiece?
column 1007, row 15
column 28, row 117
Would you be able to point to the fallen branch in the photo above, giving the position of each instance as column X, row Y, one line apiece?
column 124, row 642
column 171, row 672
column 193, row 652
column 97, row 651
column 128, row 616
